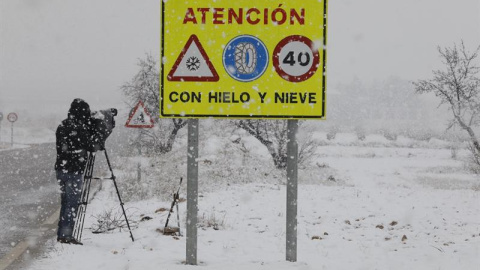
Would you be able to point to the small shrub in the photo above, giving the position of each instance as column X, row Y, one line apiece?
column 110, row 220
column 389, row 135
column 332, row 133
column 211, row 221
column 454, row 152
column 307, row 149
column 360, row 132
column 426, row 135
column 474, row 160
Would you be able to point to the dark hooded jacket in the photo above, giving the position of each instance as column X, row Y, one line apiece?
column 73, row 139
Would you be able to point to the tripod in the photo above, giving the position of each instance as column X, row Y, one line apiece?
column 82, row 206
column 176, row 198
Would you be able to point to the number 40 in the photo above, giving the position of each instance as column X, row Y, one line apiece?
column 290, row 59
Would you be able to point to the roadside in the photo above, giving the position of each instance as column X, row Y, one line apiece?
column 29, row 203
column 378, row 206
column 21, row 256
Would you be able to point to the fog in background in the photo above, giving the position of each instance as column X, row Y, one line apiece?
column 53, row 51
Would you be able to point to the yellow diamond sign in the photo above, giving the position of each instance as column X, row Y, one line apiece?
column 243, row 59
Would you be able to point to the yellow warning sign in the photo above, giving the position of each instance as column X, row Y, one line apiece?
column 243, row 59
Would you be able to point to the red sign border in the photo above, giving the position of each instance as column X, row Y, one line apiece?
column 14, row 115
column 170, row 77
column 276, row 60
column 134, row 111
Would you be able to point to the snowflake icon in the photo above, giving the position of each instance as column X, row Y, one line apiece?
column 193, row 63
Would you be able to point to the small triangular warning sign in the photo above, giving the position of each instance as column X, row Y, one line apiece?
column 193, row 64
column 139, row 117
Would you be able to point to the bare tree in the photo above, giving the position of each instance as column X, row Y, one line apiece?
column 458, row 86
column 145, row 86
column 273, row 134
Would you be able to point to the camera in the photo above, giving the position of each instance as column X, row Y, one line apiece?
column 102, row 124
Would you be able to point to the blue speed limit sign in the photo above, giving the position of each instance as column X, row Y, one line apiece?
column 245, row 58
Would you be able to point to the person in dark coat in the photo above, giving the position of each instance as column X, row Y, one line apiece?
column 73, row 139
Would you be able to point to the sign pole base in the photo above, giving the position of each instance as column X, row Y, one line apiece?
column 192, row 192
column 292, row 191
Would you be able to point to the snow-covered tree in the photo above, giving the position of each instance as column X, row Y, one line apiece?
column 145, row 86
column 273, row 134
column 458, row 87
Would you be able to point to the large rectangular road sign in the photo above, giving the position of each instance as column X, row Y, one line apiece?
column 243, row 59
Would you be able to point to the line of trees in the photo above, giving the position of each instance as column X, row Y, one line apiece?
column 457, row 86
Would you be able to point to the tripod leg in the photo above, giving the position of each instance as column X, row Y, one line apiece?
column 82, row 206
column 176, row 197
column 170, row 211
column 178, row 219
column 118, row 194
column 82, row 209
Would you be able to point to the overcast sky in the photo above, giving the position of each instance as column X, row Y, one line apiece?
column 55, row 50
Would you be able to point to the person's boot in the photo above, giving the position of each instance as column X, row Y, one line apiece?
column 62, row 240
column 68, row 240
column 75, row 242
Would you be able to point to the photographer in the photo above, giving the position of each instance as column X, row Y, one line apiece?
column 73, row 140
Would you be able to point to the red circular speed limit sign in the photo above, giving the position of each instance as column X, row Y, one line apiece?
column 295, row 58
column 12, row 117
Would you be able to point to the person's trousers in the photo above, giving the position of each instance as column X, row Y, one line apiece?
column 71, row 190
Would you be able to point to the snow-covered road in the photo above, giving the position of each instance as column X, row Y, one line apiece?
column 28, row 193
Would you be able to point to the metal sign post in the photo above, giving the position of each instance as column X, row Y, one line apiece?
column 12, row 118
column 292, row 190
column 192, row 192
column 139, row 165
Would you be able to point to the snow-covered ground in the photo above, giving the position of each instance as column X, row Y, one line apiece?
column 362, row 205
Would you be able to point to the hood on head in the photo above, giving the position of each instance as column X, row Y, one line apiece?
column 79, row 110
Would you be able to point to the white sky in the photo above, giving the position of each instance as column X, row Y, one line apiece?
column 55, row 50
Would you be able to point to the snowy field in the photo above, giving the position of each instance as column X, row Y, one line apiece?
column 373, row 204
column 24, row 136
